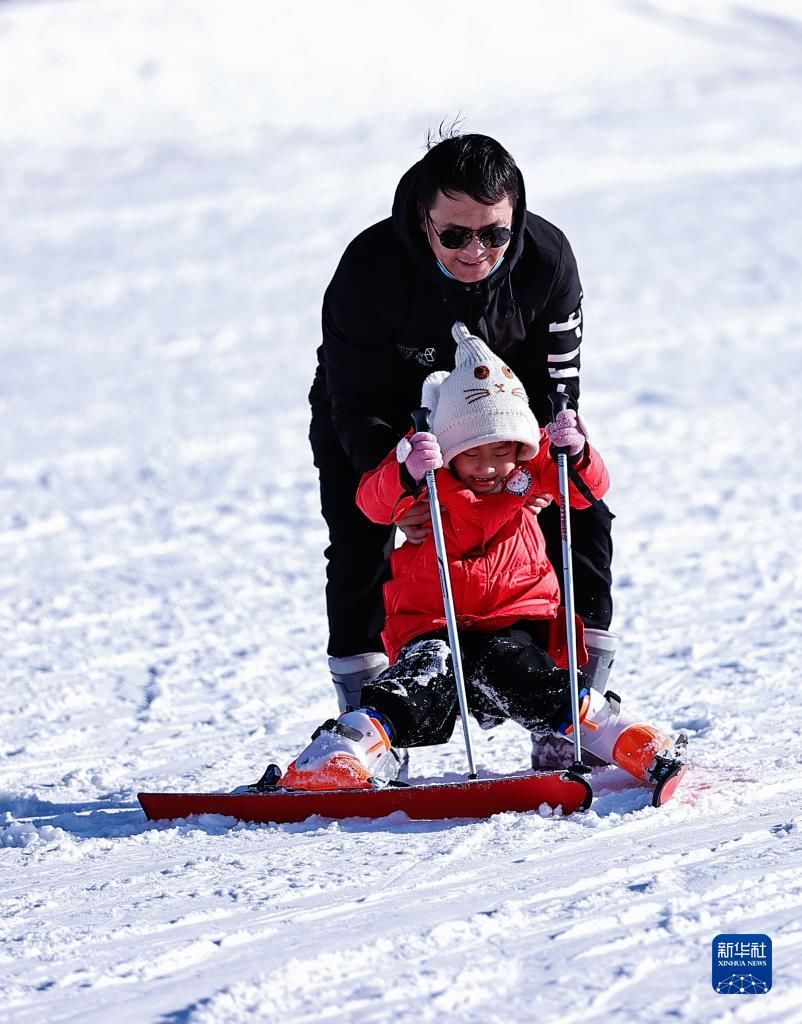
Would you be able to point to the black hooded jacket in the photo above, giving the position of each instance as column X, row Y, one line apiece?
column 388, row 313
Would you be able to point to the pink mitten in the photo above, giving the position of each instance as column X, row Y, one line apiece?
column 420, row 453
column 564, row 432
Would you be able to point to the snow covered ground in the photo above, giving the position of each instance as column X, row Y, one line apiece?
column 177, row 183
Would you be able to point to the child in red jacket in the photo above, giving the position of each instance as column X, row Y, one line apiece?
column 492, row 463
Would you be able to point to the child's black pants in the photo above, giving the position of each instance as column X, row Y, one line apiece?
column 507, row 673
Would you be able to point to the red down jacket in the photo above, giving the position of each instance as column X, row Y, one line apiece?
column 496, row 552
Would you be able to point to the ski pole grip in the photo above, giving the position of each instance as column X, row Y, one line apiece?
column 420, row 420
column 559, row 402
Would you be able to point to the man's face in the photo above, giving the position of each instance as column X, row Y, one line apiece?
column 474, row 261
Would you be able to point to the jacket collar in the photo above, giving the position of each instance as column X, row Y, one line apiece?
column 486, row 513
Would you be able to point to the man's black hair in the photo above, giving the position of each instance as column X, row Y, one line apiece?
column 475, row 165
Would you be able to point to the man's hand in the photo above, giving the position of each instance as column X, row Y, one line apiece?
column 537, row 502
column 416, row 525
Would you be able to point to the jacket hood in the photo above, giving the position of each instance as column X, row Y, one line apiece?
column 405, row 222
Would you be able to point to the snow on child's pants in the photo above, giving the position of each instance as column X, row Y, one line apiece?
column 507, row 676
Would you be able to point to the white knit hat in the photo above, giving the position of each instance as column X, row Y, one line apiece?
column 480, row 402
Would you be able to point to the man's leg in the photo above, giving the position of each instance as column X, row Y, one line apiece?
column 357, row 566
column 592, row 554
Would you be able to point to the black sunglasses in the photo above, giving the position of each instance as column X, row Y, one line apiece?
column 458, row 238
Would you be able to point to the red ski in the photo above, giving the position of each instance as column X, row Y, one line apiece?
column 667, row 783
column 475, row 799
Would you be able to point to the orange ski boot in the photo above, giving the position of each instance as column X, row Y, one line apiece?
column 617, row 737
column 343, row 753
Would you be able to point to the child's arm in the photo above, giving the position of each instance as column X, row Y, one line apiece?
column 590, row 467
column 582, row 457
column 386, row 493
column 382, row 494
column 594, row 473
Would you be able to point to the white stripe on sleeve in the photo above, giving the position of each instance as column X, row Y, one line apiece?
column 562, row 357
column 572, row 371
column 574, row 320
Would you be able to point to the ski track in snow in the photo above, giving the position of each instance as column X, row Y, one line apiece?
column 161, row 570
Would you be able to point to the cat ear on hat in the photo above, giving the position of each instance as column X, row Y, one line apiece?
column 430, row 393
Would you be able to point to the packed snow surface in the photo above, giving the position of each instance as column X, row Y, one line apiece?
column 177, row 184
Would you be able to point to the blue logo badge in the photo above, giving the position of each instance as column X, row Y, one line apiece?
column 742, row 965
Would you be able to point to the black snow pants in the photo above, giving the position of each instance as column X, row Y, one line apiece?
column 358, row 552
column 507, row 673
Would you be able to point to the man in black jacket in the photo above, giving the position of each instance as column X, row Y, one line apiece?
column 460, row 245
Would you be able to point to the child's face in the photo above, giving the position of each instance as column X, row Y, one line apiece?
column 485, row 467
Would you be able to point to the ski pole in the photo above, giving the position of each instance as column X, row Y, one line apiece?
column 420, row 418
column 559, row 401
